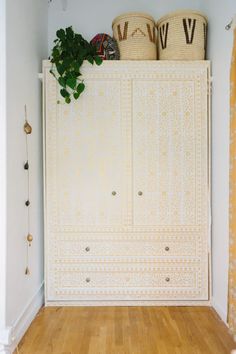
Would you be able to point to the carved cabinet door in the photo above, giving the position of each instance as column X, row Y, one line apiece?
column 170, row 166
column 85, row 157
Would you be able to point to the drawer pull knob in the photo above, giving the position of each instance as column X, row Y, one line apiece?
column 167, row 279
column 140, row 193
column 167, row 248
column 113, row 193
column 87, row 280
column 87, row 249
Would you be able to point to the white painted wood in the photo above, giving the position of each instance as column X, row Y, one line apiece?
column 139, row 127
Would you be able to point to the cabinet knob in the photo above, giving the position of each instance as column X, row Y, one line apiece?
column 167, row 279
column 167, row 248
column 113, row 193
column 87, row 249
column 87, row 280
column 140, row 193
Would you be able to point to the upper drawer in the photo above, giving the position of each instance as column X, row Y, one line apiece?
column 72, row 250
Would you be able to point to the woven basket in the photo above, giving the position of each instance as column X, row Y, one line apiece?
column 182, row 36
column 136, row 36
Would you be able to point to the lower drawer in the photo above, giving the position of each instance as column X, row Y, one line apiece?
column 126, row 281
column 108, row 279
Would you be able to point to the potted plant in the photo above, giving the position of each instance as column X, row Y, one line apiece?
column 68, row 55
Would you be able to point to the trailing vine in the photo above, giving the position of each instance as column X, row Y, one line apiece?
column 68, row 55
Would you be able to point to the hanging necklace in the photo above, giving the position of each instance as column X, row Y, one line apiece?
column 29, row 238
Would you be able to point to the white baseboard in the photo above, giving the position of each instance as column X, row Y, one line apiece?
column 11, row 336
column 5, row 339
column 221, row 312
column 4, row 351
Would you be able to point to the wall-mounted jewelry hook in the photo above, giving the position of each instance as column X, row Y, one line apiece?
column 231, row 24
column 228, row 26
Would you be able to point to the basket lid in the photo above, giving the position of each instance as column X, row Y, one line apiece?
column 132, row 14
column 179, row 13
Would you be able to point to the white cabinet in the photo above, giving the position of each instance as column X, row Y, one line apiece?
column 127, row 185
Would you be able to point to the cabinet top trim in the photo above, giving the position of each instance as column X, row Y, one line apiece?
column 148, row 65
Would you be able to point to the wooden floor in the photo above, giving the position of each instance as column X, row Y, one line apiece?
column 126, row 330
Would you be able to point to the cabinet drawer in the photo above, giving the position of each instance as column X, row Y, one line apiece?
column 110, row 279
column 72, row 250
column 83, row 278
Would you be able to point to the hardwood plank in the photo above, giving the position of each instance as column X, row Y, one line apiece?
column 127, row 330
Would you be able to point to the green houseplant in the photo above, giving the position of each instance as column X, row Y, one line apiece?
column 68, row 55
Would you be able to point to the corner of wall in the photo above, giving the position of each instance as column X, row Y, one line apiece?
column 220, row 310
column 11, row 336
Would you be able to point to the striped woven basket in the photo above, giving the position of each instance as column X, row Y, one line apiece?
column 135, row 34
column 182, row 35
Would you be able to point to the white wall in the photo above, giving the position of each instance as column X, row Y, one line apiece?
column 2, row 167
column 26, row 35
column 219, row 51
column 91, row 17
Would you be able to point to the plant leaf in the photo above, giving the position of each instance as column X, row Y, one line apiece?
column 80, row 88
column 68, row 100
column 90, row 59
column 60, row 68
column 69, row 32
column 60, row 34
column 64, row 93
column 76, row 95
column 71, row 82
column 55, row 52
column 62, row 81
column 98, row 60
column 77, row 66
